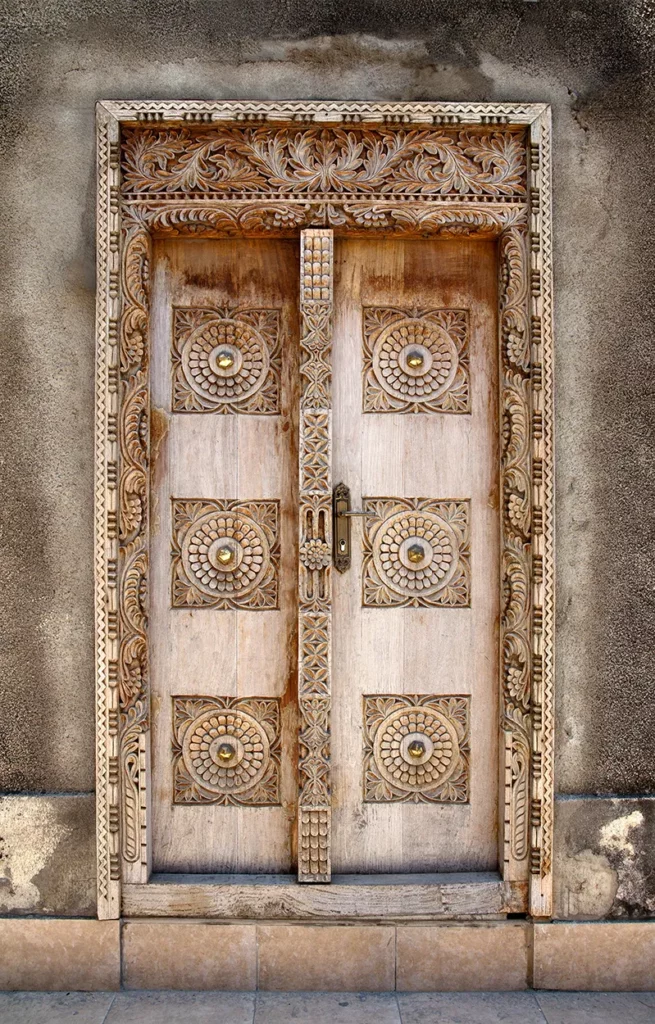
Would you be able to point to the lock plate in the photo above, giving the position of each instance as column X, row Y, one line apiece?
column 341, row 527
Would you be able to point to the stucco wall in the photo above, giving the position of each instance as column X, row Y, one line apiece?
column 593, row 61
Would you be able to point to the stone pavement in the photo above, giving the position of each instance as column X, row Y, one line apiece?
column 327, row 1008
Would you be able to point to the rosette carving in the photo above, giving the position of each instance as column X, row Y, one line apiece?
column 226, row 750
column 225, row 554
column 416, row 360
column 226, row 360
column 416, row 553
column 416, row 748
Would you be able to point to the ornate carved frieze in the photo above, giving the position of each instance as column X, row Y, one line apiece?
column 226, row 360
column 225, row 554
column 416, row 553
column 416, row 360
column 245, row 161
column 226, row 750
column 416, row 748
column 314, row 612
column 455, row 215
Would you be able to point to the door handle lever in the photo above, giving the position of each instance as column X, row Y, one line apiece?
column 342, row 514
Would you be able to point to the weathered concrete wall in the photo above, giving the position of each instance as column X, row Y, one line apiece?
column 593, row 61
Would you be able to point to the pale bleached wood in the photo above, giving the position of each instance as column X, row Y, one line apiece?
column 358, row 897
column 206, row 651
column 417, row 650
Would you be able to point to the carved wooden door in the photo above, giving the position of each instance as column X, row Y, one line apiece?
column 306, row 719
column 224, row 554
column 415, row 647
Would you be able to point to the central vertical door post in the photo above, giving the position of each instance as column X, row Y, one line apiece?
column 315, row 551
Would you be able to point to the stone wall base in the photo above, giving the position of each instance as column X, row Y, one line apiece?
column 62, row 954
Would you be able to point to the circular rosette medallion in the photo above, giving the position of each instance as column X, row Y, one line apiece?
column 225, row 361
column 414, row 360
column 226, row 752
column 415, row 553
column 225, row 554
column 416, row 749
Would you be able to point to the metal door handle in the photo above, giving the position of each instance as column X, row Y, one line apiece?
column 342, row 514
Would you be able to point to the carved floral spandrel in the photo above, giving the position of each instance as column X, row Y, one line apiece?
column 416, row 360
column 226, row 750
column 203, row 214
column 226, row 360
column 416, row 553
column 416, row 748
column 225, row 554
column 229, row 161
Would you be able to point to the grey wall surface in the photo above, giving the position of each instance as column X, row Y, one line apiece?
column 593, row 61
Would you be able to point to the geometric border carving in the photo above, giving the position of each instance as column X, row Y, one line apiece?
column 226, row 750
column 416, row 748
column 315, row 556
column 416, row 553
column 416, row 360
column 225, row 554
column 522, row 223
column 248, row 342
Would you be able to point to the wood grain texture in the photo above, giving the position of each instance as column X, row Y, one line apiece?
column 420, row 650
column 208, row 651
column 361, row 897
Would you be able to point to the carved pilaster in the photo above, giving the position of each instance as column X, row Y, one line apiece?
column 543, row 597
column 134, row 440
column 106, row 536
column 314, row 613
column 516, row 523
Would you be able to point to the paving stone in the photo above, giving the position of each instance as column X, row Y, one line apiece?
column 54, row 1007
column 326, row 1008
column 182, row 1008
column 597, row 1007
column 469, row 1008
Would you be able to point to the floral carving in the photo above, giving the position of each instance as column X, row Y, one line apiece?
column 416, row 553
column 225, row 554
column 226, row 750
column 416, row 360
column 226, row 360
column 416, row 748
column 229, row 161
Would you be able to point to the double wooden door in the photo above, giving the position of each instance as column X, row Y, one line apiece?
column 324, row 684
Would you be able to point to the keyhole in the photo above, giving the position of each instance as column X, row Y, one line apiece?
column 342, row 545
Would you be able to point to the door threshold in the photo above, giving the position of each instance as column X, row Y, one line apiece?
column 347, row 897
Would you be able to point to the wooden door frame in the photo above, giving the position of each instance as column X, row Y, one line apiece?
column 267, row 169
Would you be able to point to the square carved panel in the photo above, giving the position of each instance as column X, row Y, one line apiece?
column 225, row 554
column 226, row 360
column 416, row 360
column 416, row 749
column 226, row 750
column 416, row 553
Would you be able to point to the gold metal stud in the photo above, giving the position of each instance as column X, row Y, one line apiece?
column 415, row 359
column 225, row 555
column 225, row 751
column 416, row 749
column 416, row 553
column 225, row 360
